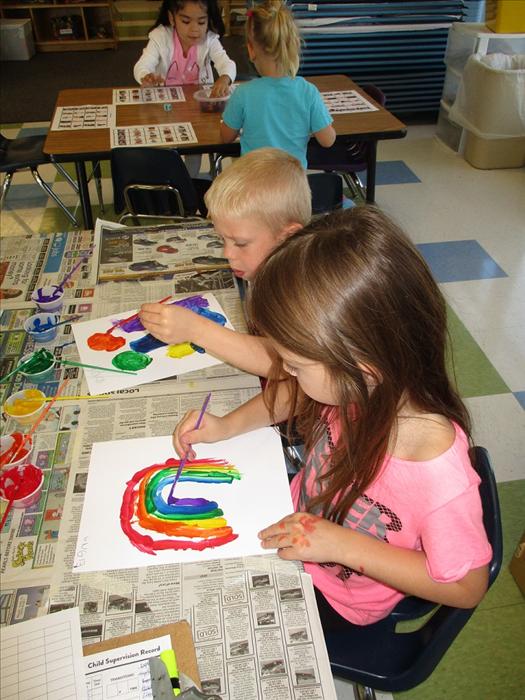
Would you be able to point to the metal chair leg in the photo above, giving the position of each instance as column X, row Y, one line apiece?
column 98, row 184
column 65, row 175
column 5, row 188
column 46, row 188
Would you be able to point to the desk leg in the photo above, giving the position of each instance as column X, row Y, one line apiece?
column 83, row 192
column 371, row 172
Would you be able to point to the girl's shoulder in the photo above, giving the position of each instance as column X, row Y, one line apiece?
column 161, row 32
column 424, row 437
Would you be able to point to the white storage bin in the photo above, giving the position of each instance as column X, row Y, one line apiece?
column 451, row 85
column 447, row 131
column 464, row 39
column 16, row 40
column 490, row 105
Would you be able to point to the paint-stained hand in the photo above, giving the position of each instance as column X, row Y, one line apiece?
column 304, row 537
column 212, row 429
column 168, row 322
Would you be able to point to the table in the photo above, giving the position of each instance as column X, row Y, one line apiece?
column 80, row 146
column 254, row 620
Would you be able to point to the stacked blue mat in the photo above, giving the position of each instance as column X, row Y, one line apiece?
column 398, row 46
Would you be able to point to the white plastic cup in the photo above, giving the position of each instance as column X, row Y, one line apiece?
column 48, row 298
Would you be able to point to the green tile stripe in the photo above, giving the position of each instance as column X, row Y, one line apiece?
column 474, row 374
column 483, row 661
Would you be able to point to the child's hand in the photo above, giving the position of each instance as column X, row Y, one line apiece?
column 221, row 87
column 212, row 429
column 168, row 322
column 152, row 79
column 304, row 537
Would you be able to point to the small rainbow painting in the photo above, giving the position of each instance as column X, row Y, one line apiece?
column 121, row 342
column 189, row 523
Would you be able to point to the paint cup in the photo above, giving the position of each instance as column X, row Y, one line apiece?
column 24, row 482
column 41, row 367
column 11, row 443
column 48, row 298
column 25, row 406
column 33, row 324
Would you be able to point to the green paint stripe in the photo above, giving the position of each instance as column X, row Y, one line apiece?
column 474, row 373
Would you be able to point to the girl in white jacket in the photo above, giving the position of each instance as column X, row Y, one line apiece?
column 183, row 44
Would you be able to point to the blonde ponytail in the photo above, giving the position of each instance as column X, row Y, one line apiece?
column 271, row 26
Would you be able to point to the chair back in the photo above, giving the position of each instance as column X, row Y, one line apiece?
column 379, row 657
column 152, row 181
column 327, row 192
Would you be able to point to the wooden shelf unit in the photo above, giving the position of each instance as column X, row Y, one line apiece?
column 59, row 25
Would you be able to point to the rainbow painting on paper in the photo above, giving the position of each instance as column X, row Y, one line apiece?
column 121, row 342
column 223, row 498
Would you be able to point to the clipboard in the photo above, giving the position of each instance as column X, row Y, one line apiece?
column 181, row 642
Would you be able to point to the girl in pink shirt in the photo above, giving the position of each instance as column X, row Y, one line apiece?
column 387, row 503
column 183, row 45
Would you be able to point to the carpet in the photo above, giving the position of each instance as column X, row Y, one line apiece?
column 29, row 89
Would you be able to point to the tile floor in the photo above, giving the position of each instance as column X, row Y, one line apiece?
column 470, row 226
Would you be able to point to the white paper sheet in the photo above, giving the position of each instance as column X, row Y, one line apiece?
column 42, row 658
column 160, row 367
column 123, row 672
column 346, row 102
column 84, row 117
column 259, row 498
column 147, row 95
column 176, row 134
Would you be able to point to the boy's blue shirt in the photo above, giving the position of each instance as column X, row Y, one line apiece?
column 279, row 112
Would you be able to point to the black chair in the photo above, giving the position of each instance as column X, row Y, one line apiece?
column 154, row 183
column 347, row 157
column 327, row 192
column 379, row 657
column 26, row 153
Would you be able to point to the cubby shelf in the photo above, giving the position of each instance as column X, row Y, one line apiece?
column 59, row 25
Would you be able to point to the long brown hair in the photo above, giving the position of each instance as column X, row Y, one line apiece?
column 350, row 290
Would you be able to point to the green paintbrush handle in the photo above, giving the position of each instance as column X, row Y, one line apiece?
column 103, row 369
column 14, row 371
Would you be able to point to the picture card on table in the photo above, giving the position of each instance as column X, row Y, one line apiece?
column 346, row 102
column 120, row 342
column 84, row 117
column 176, row 134
column 223, row 498
column 148, row 95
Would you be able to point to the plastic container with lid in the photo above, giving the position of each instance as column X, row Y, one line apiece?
column 210, row 104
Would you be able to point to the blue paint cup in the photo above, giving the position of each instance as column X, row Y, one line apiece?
column 36, row 326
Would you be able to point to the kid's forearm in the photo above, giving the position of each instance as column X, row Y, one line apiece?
column 254, row 413
column 406, row 571
column 247, row 352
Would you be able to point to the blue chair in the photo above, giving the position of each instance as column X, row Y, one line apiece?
column 347, row 156
column 377, row 656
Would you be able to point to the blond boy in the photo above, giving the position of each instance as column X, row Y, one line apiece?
column 255, row 203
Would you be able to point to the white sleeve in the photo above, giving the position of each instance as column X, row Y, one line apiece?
column 149, row 61
column 220, row 59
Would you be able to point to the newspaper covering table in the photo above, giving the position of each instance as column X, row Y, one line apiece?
column 29, row 262
column 140, row 252
column 254, row 620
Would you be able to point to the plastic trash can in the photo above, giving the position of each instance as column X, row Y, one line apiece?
column 490, row 105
